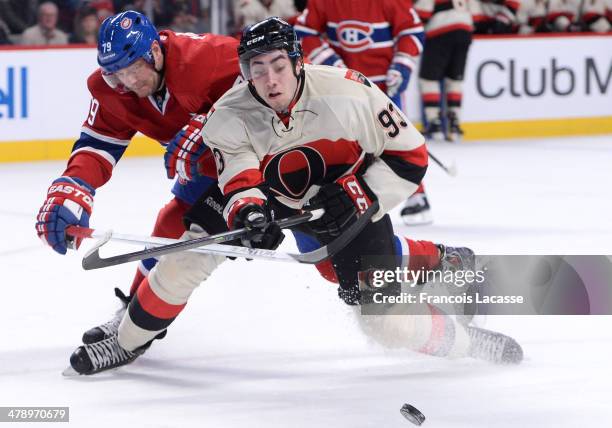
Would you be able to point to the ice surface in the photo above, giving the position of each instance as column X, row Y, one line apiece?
column 270, row 345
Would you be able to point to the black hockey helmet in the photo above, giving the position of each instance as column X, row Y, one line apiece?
column 265, row 36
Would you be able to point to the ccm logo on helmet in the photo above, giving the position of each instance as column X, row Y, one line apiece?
column 354, row 35
column 126, row 23
column 255, row 40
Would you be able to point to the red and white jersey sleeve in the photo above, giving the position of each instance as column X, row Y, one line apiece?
column 340, row 123
column 442, row 16
column 365, row 34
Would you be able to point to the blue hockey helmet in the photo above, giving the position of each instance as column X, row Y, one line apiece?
column 123, row 39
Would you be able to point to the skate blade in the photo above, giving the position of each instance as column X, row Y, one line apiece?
column 70, row 372
column 418, row 219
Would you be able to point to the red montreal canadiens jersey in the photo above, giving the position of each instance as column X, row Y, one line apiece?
column 198, row 69
column 365, row 34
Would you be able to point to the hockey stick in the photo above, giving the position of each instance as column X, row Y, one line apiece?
column 92, row 259
column 450, row 170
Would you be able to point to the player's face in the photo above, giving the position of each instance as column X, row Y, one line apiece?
column 139, row 77
column 142, row 77
column 274, row 79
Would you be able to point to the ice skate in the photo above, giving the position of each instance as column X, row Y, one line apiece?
column 493, row 347
column 455, row 133
column 456, row 258
column 109, row 328
column 416, row 210
column 434, row 130
column 106, row 354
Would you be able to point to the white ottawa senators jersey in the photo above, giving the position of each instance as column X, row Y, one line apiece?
column 339, row 118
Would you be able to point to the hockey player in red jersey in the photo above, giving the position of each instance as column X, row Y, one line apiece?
column 156, row 84
column 382, row 40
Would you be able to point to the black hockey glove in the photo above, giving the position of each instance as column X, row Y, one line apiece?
column 343, row 201
column 261, row 233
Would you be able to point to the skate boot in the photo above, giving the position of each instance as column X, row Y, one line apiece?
column 455, row 133
column 106, row 354
column 417, row 211
column 456, row 258
column 460, row 259
column 493, row 347
column 109, row 328
column 434, row 130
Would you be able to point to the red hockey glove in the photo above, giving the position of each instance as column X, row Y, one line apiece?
column 186, row 150
column 69, row 202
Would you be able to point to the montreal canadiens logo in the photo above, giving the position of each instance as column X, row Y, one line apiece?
column 354, row 35
column 126, row 23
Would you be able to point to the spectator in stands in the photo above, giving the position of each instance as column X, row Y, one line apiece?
column 45, row 32
column 247, row 12
column 86, row 26
column 137, row 5
column 18, row 14
column 182, row 20
column 67, row 10
column 104, row 8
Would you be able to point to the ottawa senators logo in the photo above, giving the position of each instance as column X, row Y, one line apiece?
column 291, row 173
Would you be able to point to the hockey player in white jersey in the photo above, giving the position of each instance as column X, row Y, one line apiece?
column 298, row 137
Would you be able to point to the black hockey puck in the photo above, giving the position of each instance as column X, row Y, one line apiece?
column 412, row 414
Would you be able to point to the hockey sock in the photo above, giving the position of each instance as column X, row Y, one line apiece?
column 454, row 89
column 417, row 255
column 163, row 294
column 430, row 90
column 146, row 317
column 446, row 337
